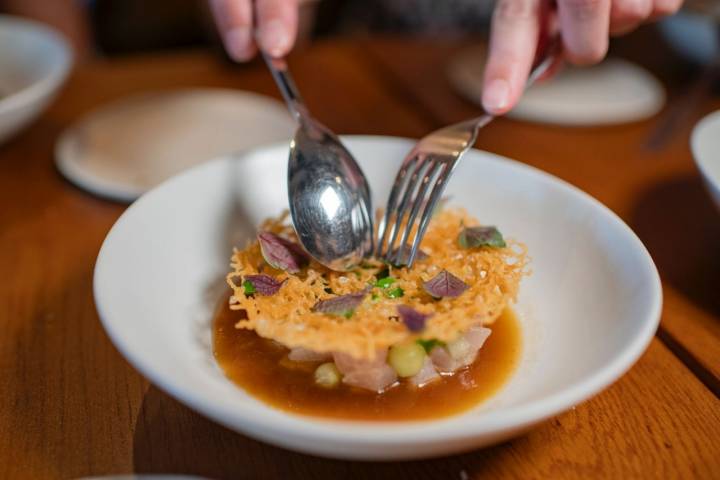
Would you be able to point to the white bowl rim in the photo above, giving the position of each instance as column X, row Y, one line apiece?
column 458, row 427
column 698, row 133
column 51, row 80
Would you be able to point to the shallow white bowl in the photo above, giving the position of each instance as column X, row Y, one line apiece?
column 34, row 61
column 705, row 145
column 588, row 311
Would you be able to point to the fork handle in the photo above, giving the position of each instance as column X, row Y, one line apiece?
column 539, row 69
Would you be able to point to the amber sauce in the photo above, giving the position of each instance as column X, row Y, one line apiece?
column 262, row 369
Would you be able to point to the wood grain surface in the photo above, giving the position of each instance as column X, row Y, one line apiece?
column 71, row 406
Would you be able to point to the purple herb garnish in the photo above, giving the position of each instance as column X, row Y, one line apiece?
column 472, row 237
column 343, row 305
column 413, row 320
column 445, row 284
column 282, row 254
column 264, row 284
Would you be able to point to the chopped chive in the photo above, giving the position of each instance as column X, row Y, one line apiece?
column 429, row 344
column 385, row 282
column 249, row 287
column 395, row 293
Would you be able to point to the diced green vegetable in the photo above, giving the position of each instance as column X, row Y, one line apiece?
column 348, row 313
column 406, row 358
column 249, row 287
column 385, row 282
column 374, row 297
column 327, row 375
column 429, row 344
column 395, row 293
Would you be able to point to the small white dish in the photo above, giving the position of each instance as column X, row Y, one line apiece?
column 615, row 91
column 588, row 311
column 132, row 144
column 34, row 62
column 705, row 145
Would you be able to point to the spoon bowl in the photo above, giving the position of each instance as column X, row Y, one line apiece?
column 329, row 198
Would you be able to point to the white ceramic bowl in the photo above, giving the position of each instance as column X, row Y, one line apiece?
column 34, row 62
column 588, row 311
column 705, row 145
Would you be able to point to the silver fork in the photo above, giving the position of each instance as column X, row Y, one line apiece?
column 424, row 174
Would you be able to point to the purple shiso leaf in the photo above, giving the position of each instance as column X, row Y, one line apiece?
column 445, row 284
column 264, row 284
column 341, row 305
column 282, row 254
column 413, row 320
column 472, row 237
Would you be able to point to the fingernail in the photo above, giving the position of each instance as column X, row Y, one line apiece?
column 275, row 38
column 496, row 96
column 238, row 43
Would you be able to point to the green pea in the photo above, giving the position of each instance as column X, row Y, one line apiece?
column 327, row 375
column 406, row 359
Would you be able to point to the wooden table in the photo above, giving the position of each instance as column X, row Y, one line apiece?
column 70, row 405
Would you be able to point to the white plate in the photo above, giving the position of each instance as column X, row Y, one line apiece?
column 130, row 145
column 705, row 144
column 34, row 62
column 588, row 311
column 615, row 91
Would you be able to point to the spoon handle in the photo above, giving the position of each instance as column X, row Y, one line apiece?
column 279, row 69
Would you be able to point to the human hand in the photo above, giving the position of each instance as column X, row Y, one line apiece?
column 584, row 26
column 277, row 24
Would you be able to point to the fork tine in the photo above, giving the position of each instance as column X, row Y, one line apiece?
column 417, row 203
column 414, row 184
column 398, row 186
column 428, row 210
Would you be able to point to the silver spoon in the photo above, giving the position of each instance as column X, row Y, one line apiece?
column 329, row 196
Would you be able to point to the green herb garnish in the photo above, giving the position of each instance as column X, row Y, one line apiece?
column 429, row 344
column 395, row 293
column 348, row 313
column 249, row 287
column 385, row 282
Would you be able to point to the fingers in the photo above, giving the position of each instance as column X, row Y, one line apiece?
column 626, row 15
column 276, row 30
column 663, row 8
column 277, row 25
column 585, row 26
column 513, row 39
column 235, row 21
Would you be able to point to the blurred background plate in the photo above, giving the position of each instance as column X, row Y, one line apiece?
column 34, row 62
column 705, row 144
column 126, row 147
column 613, row 92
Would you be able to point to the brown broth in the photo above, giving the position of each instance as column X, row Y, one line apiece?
column 261, row 368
